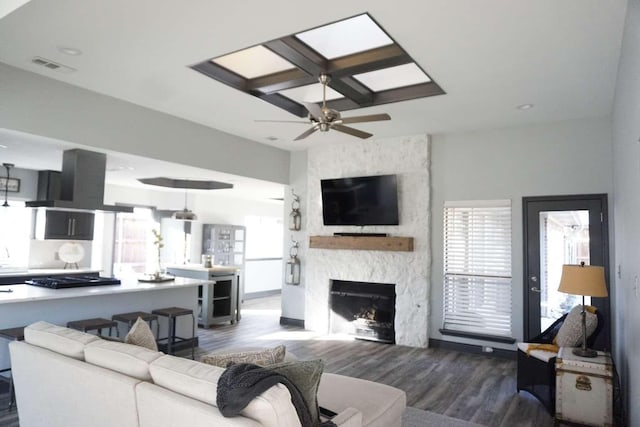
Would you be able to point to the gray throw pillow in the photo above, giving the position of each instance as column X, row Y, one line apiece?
column 305, row 375
column 263, row 357
column 140, row 334
column 570, row 333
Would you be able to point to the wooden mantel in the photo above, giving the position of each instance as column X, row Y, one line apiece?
column 368, row 243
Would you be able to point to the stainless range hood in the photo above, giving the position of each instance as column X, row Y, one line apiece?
column 81, row 184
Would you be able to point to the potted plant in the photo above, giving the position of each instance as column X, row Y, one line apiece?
column 158, row 242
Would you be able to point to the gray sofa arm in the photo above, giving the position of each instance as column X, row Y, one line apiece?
column 350, row 417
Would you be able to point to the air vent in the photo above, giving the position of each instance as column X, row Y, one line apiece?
column 52, row 65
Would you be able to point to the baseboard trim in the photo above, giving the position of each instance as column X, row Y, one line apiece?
column 476, row 349
column 262, row 294
column 292, row 322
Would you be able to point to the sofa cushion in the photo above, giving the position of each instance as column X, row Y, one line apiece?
column 261, row 357
column 140, row 334
column 54, row 390
column 158, row 406
column 199, row 381
column 570, row 333
column 188, row 377
column 305, row 375
column 381, row 405
column 66, row 341
column 131, row 360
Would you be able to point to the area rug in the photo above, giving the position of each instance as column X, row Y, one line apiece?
column 414, row 417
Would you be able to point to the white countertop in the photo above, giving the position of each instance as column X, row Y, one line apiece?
column 24, row 293
column 45, row 272
column 216, row 269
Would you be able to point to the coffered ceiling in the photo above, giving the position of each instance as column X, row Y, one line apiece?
column 489, row 57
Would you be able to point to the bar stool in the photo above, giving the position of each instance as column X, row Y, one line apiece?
column 95, row 324
column 11, row 334
column 130, row 319
column 172, row 313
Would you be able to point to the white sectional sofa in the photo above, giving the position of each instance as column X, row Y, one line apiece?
column 66, row 378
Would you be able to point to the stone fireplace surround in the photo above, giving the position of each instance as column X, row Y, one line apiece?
column 408, row 158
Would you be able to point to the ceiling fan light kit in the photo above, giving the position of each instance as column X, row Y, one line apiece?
column 323, row 118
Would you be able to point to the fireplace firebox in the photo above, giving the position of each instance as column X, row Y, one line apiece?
column 363, row 309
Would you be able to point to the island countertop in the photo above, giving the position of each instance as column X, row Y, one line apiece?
column 216, row 270
column 24, row 293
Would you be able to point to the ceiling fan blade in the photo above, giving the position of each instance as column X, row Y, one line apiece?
column 369, row 118
column 306, row 122
column 307, row 133
column 351, row 131
column 314, row 109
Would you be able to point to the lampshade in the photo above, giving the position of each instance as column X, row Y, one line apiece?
column 184, row 215
column 583, row 280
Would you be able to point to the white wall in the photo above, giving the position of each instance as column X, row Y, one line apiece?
column 293, row 304
column 572, row 157
column 41, row 106
column 262, row 275
column 626, row 170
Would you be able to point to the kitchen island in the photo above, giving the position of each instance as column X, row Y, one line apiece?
column 220, row 301
column 27, row 304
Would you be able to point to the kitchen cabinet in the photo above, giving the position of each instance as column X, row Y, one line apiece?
column 69, row 225
column 217, row 302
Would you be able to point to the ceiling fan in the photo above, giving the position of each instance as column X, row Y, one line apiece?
column 323, row 118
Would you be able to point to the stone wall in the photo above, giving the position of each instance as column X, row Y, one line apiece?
column 408, row 158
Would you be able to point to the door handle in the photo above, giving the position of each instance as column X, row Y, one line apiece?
column 535, row 289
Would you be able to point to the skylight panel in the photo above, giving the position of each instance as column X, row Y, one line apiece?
column 346, row 37
column 310, row 93
column 393, row 77
column 253, row 62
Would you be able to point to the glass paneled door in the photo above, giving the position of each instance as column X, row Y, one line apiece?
column 564, row 239
column 561, row 230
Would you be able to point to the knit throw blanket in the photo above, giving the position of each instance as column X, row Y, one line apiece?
column 241, row 382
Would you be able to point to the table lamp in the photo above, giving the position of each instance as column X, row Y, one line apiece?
column 583, row 280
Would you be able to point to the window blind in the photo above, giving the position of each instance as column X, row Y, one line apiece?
column 477, row 267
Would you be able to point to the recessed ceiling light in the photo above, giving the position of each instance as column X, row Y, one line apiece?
column 524, row 106
column 69, row 50
column 3, row 146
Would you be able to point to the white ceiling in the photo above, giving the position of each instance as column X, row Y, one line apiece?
column 488, row 56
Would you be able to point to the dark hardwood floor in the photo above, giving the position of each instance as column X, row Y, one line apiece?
column 470, row 387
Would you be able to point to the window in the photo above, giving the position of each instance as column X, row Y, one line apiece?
column 15, row 226
column 133, row 249
column 264, row 237
column 477, row 267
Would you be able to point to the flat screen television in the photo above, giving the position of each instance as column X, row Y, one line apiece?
column 364, row 200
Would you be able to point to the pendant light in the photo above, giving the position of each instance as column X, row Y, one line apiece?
column 185, row 214
column 7, row 166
